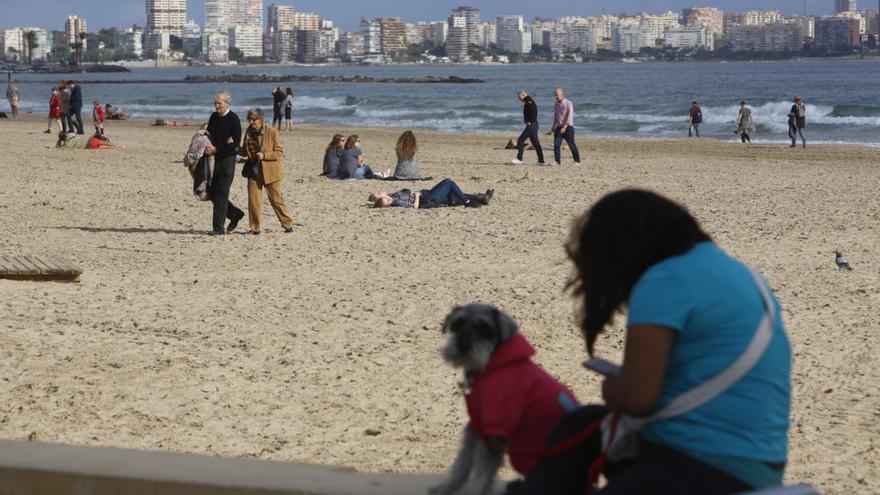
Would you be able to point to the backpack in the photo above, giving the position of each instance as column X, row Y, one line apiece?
column 801, row 110
column 698, row 116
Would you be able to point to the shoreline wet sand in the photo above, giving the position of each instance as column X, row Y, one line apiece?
column 292, row 346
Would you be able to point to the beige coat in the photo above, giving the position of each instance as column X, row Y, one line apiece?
column 273, row 152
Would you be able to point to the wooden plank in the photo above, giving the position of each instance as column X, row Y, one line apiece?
column 6, row 267
column 47, row 268
column 32, row 260
column 31, row 268
column 18, row 266
column 50, row 266
column 66, row 265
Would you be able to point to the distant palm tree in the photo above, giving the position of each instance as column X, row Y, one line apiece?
column 30, row 43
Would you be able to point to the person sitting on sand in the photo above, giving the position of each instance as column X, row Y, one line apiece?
column 353, row 165
column 98, row 142
column 695, row 316
column 407, row 159
column 445, row 193
column 75, row 141
column 332, row 157
column 114, row 113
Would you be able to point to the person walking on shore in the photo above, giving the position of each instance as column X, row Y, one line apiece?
column 695, row 118
column 745, row 124
column 530, row 117
column 563, row 127
column 224, row 129
column 66, row 123
column 288, row 110
column 54, row 110
column 277, row 102
column 263, row 144
column 76, row 104
column 797, row 122
column 14, row 96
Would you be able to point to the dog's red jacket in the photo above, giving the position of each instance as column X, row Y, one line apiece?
column 515, row 399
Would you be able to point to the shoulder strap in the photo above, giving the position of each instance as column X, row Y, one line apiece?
column 702, row 394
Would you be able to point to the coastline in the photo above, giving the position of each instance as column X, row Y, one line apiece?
column 291, row 347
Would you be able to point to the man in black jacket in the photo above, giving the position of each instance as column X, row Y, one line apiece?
column 224, row 129
column 530, row 117
column 76, row 105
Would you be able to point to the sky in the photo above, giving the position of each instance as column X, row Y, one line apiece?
column 50, row 14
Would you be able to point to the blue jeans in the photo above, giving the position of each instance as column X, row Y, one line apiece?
column 568, row 136
column 445, row 192
column 694, row 129
column 794, row 136
column 364, row 172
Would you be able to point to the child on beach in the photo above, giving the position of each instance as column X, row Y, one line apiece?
column 98, row 118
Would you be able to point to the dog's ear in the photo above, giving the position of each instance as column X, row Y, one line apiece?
column 450, row 318
column 505, row 327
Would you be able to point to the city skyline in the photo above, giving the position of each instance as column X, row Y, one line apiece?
column 347, row 13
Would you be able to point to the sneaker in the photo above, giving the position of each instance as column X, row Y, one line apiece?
column 288, row 230
column 47, row 131
column 515, row 162
column 540, row 164
column 555, row 164
column 577, row 163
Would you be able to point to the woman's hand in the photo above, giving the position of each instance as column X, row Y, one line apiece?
column 636, row 390
column 210, row 150
column 259, row 155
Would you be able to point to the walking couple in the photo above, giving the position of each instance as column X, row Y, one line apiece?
column 563, row 128
column 263, row 150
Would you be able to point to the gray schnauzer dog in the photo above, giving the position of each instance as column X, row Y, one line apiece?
column 475, row 332
column 513, row 404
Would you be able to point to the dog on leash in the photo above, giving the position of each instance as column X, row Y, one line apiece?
column 513, row 404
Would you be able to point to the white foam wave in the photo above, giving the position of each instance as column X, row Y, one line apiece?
column 637, row 117
column 775, row 115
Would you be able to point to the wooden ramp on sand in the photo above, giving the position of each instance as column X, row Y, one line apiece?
column 38, row 269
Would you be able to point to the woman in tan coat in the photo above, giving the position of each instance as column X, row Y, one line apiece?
column 262, row 143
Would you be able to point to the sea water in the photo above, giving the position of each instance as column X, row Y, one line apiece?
column 638, row 100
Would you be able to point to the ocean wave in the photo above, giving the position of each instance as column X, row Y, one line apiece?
column 775, row 115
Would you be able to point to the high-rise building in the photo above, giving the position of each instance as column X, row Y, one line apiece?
column 472, row 23
column 11, row 44
column 73, row 26
column 166, row 16
column 280, row 17
column 457, row 38
column 192, row 39
column 776, row 37
column 393, row 35
column 216, row 47
column 351, row 45
column 844, row 6
column 439, row 31
column 508, row 32
column 132, row 41
column 245, row 13
column 216, row 18
column 710, row 17
column 372, row 35
column 690, row 37
column 837, row 34
column 306, row 21
column 248, row 39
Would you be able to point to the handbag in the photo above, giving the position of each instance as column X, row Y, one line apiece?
column 620, row 432
column 251, row 169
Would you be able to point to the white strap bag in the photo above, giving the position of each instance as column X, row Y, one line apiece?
column 620, row 439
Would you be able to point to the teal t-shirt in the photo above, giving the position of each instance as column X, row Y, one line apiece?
column 712, row 303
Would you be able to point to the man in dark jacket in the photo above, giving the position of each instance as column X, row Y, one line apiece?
column 278, row 98
column 797, row 121
column 530, row 117
column 76, row 104
column 224, row 129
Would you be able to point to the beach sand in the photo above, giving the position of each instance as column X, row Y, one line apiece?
column 292, row 346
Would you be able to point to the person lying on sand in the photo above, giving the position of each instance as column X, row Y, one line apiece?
column 74, row 141
column 445, row 193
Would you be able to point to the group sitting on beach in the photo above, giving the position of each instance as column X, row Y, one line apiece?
column 343, row 159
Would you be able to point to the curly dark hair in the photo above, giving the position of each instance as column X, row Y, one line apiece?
column 615, row 242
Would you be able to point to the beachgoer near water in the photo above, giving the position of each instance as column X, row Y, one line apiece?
column 76, row 104
column 745, row 123
column 288, row 109
column 54, row 111
column 695, row 118
column 530, row 133
column 797, row 121
column 692, row 311
column 333, row 157
column 224, row 130
column 277, row 102
column 445, row 193
column 262, row 142
column 98, row 118
column 14, row 96
column 66, row 122
column 114, row 113
column 563, row 127
column 352, row 162
column 407, row 157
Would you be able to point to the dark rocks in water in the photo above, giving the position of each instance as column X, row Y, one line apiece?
column 262, row 78
column 106, row 68
column 73, row 69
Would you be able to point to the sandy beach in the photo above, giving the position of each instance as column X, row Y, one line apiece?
column 293, row 346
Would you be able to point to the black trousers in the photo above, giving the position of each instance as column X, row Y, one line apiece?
column 75, row 118
column 224, row 172
column 67, row 122
column 529, row 133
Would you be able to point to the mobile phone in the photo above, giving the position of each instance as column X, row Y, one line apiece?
column 602, row 366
